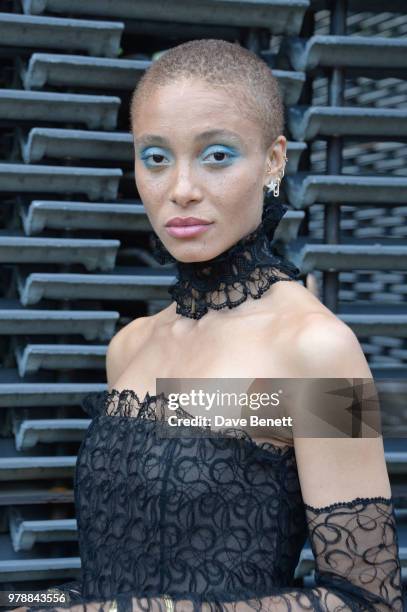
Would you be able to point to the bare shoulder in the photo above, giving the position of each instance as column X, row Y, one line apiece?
column 125, row 344
column 319, row 343
column 326, row 347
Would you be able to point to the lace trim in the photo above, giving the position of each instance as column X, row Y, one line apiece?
column 350, row 504
column 125, row 403
column 247, row 268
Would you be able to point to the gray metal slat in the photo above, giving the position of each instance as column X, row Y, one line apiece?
column 19, row 395
column 34, row 357
column 375, row 52
column 305, row 189
column 93, row 254
column 91, row 324
column 137, row 286
column 29, row 432
column 26, row 533
column 307, row 123
column 64, row 215
column 95, row 183
column 96, row 37
column 340, row 256
column 95, row 111
column 279, row 16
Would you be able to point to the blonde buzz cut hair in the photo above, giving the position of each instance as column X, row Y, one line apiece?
column 223, row 64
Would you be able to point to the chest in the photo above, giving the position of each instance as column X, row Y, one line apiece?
column 239, row 354
column 239, row 351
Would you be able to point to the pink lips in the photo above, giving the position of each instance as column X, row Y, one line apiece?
column 185, row 227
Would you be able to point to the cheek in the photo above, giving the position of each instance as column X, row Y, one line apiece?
column 242, row 197
column 231, row 179
column 150, row 197
column 138, row 176
column 149, row 187
column 243, row 181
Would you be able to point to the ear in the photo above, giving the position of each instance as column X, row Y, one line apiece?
column 275, row 159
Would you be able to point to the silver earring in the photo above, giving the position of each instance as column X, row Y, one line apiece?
column 274, row 184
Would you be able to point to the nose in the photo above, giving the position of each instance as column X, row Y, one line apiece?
column 184, row 188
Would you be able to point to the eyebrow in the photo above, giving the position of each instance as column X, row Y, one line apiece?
column 148, row 139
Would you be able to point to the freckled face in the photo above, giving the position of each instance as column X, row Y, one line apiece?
column 183, row 172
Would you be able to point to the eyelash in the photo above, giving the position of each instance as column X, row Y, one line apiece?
column 221, row 162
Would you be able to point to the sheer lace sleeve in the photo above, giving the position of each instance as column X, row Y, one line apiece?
column 355, row 547
column 357, row 568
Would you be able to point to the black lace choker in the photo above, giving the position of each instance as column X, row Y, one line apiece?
column 249, row 267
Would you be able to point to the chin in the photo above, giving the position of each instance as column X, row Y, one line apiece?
column 193, row 257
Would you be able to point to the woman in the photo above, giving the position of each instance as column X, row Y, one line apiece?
column 218, row 522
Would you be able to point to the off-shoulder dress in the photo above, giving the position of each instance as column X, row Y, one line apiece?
column 216, row 518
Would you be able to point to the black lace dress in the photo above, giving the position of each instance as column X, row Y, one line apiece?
column 214, row 518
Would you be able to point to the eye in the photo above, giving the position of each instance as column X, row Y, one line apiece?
column 153, row 159
column 220, row 156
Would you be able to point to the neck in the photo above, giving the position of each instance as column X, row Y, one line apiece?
column 245, row 270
